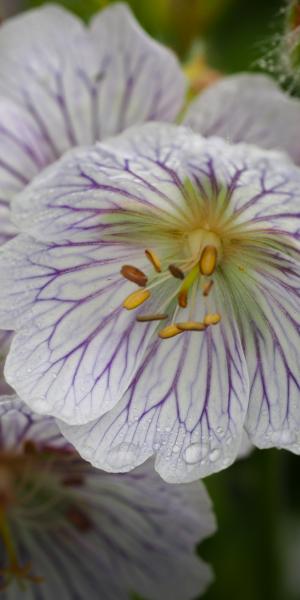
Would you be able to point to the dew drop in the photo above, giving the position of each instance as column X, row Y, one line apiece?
column 214, row 454
column 194, row 453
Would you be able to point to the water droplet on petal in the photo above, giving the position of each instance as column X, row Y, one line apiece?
column 194, row 453
column 214, row 454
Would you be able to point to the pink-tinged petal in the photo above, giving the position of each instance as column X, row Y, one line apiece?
column 186, row 404
column 248, row 108
column 82, row 84
column 77, row 348
column 271, row 328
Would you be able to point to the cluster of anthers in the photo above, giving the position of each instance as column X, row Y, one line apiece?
column 187, row 273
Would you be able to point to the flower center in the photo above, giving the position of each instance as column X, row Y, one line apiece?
column 201, row 253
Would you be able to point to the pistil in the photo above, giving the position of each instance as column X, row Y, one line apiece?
column 208, row 260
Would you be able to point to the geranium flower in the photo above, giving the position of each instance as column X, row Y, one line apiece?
column 63, row 84
column 155, row 294
column 71, row 531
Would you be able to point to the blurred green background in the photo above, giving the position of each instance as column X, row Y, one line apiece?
column 256, row 551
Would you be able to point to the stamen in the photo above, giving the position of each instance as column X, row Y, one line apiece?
column 212, row 319
column 183, row 298
column 136, row 299
column 176, row 272
column 207, row 287
column 154, row 260
column 157, row 317
column 208, row 260
column 191, row 326
column 135, row 275
column 169, row 332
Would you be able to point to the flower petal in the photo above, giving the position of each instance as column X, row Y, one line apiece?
column 248, row 108
column 23, row 153
column 83, row 84
column 18, row 425
column 135, row 541
column 78, row 348
column 186, row 404
column 271, row 341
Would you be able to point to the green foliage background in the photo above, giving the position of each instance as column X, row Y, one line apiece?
column 256, row 552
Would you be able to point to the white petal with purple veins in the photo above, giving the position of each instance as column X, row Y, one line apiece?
column 82, row 84
column 23, row 154
column 271, row 342
column 248, row 108
column 186, row 404
column 79, row 348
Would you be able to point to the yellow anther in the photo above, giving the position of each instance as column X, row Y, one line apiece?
column 212, row 319
column 169, row 332
column 207, row 287
column 240, row 268
column 208, row 260
column 154, row 260
column 191, row 326
column 154, row 317
column 136, row 299
column 135, row 275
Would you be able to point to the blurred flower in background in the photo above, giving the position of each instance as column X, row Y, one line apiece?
column 69, row 530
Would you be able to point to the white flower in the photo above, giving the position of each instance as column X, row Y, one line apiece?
column 63, row 84
column 70, row 531
column 220, row 227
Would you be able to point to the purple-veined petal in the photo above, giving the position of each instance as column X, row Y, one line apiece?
column 23, row 154
column 77, row 348
column 271, row 327
column 82, row 84
column 186, row 404
column 145, row 169
column 248, row 108
column 135, row 542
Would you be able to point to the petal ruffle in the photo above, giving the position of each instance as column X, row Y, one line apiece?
column 186, row 404
column 83, row 84
column 248, row 108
